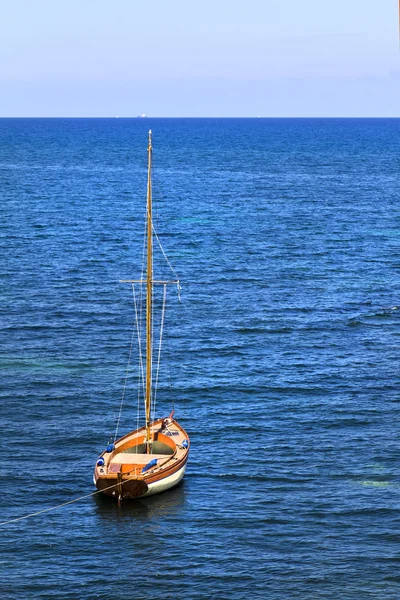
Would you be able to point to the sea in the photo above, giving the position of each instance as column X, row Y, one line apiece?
column 281, row 356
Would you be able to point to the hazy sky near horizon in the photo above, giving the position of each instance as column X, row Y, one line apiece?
column 208, row 58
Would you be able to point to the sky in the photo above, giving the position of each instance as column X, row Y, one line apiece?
column 208, row 58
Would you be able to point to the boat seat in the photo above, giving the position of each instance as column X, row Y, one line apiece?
column 135, row 459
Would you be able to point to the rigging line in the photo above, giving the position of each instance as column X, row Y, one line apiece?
column 39, row 512
column 151, row 347
column 141, row 371
column 168, row 361
column 141, row 383
column 165, row 256
column 125, row 383
column 143, row 251
column 141, row 287
column 140, row 374
column 159, row 349
column 141, row 276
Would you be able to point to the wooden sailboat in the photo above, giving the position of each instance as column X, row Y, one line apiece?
column 152, row 458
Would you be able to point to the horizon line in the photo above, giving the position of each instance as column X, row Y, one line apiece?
column 138, row 118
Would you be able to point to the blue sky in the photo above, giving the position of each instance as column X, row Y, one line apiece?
column 209, row 58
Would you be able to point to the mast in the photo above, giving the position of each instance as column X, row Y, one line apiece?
column 149, row 296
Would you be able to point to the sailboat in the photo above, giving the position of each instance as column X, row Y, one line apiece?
column 152, row 458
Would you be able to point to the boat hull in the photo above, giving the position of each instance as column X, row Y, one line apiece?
column 128, row 473
column 166, row 483
column 130, row 488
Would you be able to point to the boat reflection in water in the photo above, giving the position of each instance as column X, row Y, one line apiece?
column 152, row 507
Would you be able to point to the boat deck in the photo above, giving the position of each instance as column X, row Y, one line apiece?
column 129, row 457
column 128, row 471
column 136, row 459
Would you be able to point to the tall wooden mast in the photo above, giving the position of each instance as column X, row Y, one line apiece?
column 149, row 296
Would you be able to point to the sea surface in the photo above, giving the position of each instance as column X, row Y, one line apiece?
column 281, row 358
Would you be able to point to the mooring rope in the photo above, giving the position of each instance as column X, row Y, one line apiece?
column 39, row 512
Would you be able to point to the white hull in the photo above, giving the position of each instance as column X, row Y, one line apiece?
column 166, row 483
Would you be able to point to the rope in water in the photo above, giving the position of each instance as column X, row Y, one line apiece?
column 39, row 512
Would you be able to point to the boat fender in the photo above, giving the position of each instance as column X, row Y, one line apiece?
column 110, row 447
column 101, row 462
column 185, row 444
column 150, row 464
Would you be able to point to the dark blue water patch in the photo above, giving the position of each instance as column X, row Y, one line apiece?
column 282, row 356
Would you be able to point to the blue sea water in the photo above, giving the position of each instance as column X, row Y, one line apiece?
column 282, row 353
